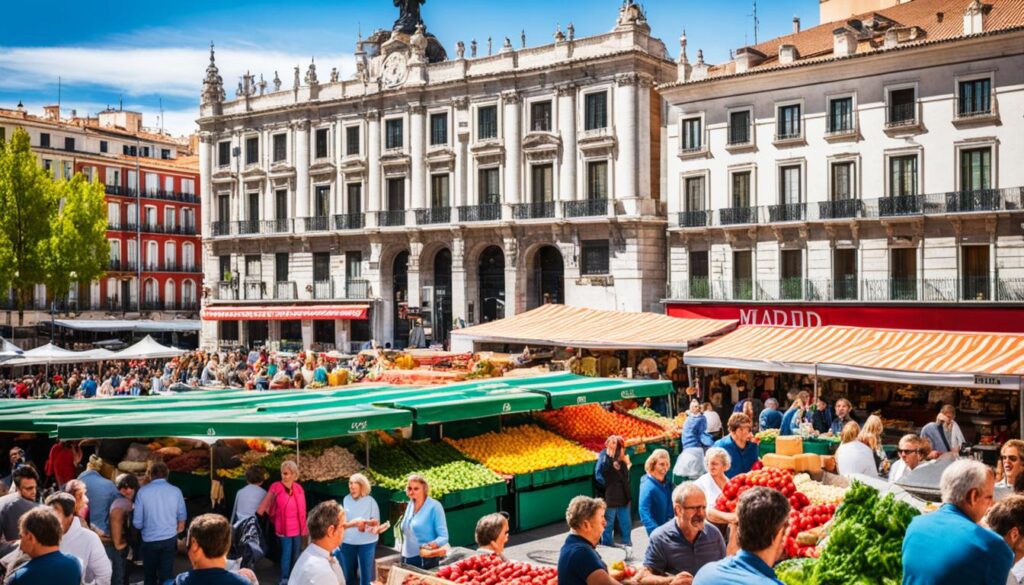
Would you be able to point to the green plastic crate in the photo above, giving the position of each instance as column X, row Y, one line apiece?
column 546, row 505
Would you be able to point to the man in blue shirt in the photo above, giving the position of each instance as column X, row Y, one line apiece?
column 763, row 516
column 684, row 544
column 843, row 415
column 101, row 493
column 160, row 515
column 89, row 386
column 970, row 554
column 40, row 533
column 578, row 561
column 742, row 451
column 770, row 417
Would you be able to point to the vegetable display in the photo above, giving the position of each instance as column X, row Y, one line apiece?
column 767, row 436
column 327, row 464
column 667, row 424
column 491, row 569
column 445, row 469
column 802, row 539
column 190, row 461
column 777, row 479
column 818, row 493
column 522, row 449
column 590, row 425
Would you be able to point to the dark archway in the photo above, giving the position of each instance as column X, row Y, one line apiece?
column 492, row 284
column 547, row 278
column 442, row 301
column 400, row 286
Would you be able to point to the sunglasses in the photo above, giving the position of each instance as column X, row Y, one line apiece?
column 1010, row 458
column 907, row 451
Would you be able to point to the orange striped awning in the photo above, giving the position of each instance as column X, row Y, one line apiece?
column 918, row 357
column 561, row 325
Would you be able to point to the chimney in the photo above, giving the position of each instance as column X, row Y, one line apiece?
column 844, row 42
column 51, row 112
column 796, row 24
column 974, row 18
column 891, row 39
column 788, row 54
column 747, row 57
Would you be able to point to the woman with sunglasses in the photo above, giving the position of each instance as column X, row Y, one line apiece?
column 1011, row 463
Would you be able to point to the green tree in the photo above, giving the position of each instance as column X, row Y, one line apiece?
column 27, row 205
column 77, row 249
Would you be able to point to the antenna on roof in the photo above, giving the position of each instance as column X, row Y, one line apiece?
column 58, row 97
column 757, row 22
column 161, row 115
column 120, row 102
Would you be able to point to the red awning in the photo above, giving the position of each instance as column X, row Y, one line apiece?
column 258, row 313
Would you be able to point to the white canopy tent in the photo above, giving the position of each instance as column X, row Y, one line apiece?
column 8, row 350
column 48, row 354
column 146, row 349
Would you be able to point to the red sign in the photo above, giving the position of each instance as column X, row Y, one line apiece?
column 921, row 317
column 312, row 312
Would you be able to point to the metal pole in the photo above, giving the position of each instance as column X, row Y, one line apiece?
column 815, row 384
column 1020, row 409
column 138, row 221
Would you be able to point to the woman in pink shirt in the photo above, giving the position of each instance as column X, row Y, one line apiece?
column 286, row 503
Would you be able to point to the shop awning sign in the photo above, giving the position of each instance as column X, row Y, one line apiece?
column 266, row 313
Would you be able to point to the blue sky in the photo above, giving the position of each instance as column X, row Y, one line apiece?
column 148, row 53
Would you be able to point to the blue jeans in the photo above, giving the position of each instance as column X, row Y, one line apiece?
column 611, row 515
column 357, row 562
column 158, row 560
column 291, row 548
column 422, row 563
column 118, row 564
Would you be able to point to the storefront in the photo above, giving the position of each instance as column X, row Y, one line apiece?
column 290, row 328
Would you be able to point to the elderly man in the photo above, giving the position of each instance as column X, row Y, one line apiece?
column 742, row 451
column 843, row 416
column 80, row 543
column 944, row 434
column 763, row 515
column 1006, row 518
column 316, row 565
column 912, row 451
column 971, row 554
column 40, row 535
column 578, row 561
column 160, row 515
column 770, row 417
column 684, row 544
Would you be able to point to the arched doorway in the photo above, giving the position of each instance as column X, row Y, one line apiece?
column 547, row 277
column 492, row 284
column 400, row 298
column 442, row 301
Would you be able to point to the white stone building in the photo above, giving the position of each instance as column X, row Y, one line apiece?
column 465, row 188
column 854, row 172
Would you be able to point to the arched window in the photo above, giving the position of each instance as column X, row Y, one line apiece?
column 188, row 292
column 152, row 258
column 188, row 256
column 151, row 291
column 170, row 294
column 169, row 255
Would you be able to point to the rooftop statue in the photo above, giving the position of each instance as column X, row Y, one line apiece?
column 408, row 15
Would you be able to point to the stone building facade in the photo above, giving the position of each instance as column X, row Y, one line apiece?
column 454, row 188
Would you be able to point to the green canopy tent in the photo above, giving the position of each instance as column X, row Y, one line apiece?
column 570, row 390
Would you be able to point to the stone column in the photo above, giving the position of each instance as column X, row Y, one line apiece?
column 416, row 151
column 511, row 275
column 342, row 335
column 413, row 274
column 307, row 334
column 372, row 165
column 625, row 125
column 301, row 135
column 462, row 162
column 567, row 129
column 459, row 296
column 513, row 148
column 205, row 183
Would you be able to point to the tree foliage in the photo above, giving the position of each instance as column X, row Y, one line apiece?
column 77, row 249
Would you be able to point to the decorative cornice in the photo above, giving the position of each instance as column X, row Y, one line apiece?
column 510, row 97
column 565, row 89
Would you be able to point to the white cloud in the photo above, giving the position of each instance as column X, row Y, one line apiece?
column 166, row 71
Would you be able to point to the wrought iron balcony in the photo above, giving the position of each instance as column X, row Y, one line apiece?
column 840, row 209
column 317, row 223
column 220, row 228
column 787, row 212
column 391, row 218
column 699, row 218
column 585, row 208
column 737, row 215
column 433, row 215
column 483, row 212
column 348, row 221
column 535, row 210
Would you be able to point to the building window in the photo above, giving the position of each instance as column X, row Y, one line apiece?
column 540, row 116
column 694, row 188
column 594, row 257
column 322, row 201
column 903, row 176
column 840, row 115
column 739, row 127
column 252, row 150
column 104, row 147
column 597, row 180
column 355, row 198
column 321, row 266
column 44, row 140
column 788, row 122
column 321, row 143
column 224, row 154
column 595, row 111
column 353, row 265
column 487, row 122
column 165, row 153
column 439, row 191
column 280, row 147
column 393, row 134
column 396, row 194
column 975, row 97
column 352, row 141
column 281, row 204
column 902, row 106
column 69, row 144
column 281, row 266
column 692, row 139
column 741, row 189
column 541, row 183
column 842, row 181
column 490, row 186
column 789, row 185
column 975, row 169
column 439, row 129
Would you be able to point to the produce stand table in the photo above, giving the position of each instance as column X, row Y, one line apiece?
column 816, row 446
column 545, row 505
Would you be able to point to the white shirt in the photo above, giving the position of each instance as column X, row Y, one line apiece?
column 707, row 484
column 316, row 567
column 1016, row 576
column 856, row 457
column 899, row 469
column 85, row 546
column 714, row 422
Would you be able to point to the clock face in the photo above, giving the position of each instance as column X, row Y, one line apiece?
column 395, row 70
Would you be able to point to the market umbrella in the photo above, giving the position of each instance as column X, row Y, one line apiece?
column 147, row 349
column 8, row 350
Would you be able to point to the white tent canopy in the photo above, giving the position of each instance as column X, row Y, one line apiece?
column 8, row 350
column 48, row 354
column 146, row 349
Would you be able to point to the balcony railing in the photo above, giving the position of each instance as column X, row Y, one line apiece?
column 152, row 305
column 737, row 215
column 535, row 210
column 840, row 209
column 318, row 223
column 900, row 205
column 787, row 212
column 433, row 215
column 784, row 289
column 585, row 208
column 116, row 305
column 482, row 212
column 162, row 195
column 323, row 289
column 902, row 115
column 348, row 221
column 173, row 267
column 340, row 289
column 248, row 227
column 694, row 289
column 391, row 218
column 699, row 218
column 842, row 289
column 220, row 228
column 966, row 289
column 285, row 291
column 122, row 266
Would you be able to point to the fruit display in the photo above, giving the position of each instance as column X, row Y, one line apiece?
column 492, row 569
column 802, row 538
column 776, row 479
column 767, row 436
column 590, row 425
column 523, row 449
column 390, row 468
column 190, row 461
column 232, row 473
column 864, row 543
column 669, row 425
column 818, row 493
